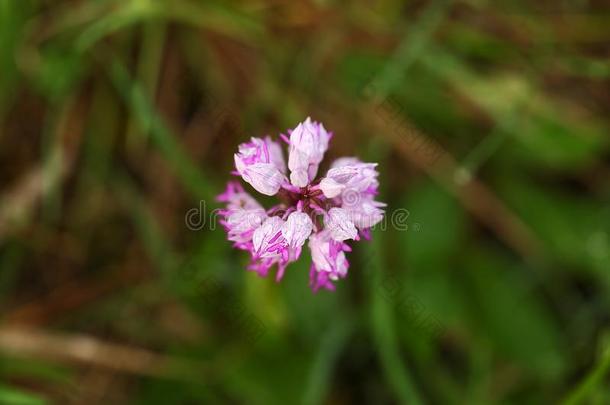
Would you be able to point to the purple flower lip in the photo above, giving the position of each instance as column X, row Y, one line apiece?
column 325, row 212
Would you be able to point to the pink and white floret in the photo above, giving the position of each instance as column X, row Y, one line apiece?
column 325, row 212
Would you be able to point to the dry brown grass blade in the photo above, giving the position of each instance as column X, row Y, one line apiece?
column 430, row 157
column 75, row 349
column 17, row 204
column 73, row 296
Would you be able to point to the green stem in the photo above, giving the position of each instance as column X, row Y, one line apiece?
column 585, row 388
column 149, row 67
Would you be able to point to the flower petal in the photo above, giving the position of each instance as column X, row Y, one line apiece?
column 275, row 154
column 259, row 164
column 308, row 143
column 328, row 255
column 339, row 225
column 330, row 187
column 345, row 161
column 264, row 177
column 267, row 236
column 299, row 178
column 358, row 177
column 297, row 228
column 367, row 213
column 235, row 197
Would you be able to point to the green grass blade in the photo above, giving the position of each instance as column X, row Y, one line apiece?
column 11, row 396
column 384, row 330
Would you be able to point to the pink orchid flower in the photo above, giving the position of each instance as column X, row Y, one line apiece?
column 325, row 212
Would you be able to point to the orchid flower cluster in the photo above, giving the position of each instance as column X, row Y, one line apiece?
column 325, row 212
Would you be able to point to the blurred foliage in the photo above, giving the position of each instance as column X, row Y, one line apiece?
column 117, row 118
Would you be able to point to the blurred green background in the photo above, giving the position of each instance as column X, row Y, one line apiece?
column 489, row 283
